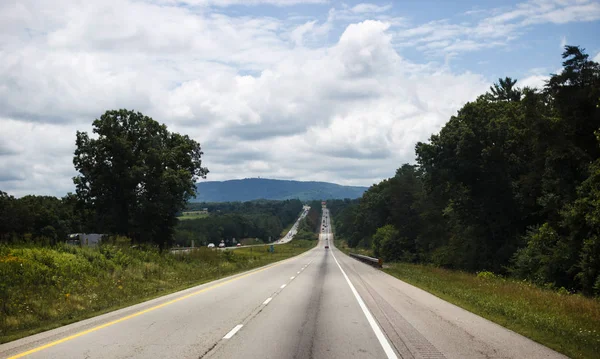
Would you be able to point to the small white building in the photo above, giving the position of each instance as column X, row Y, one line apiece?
column 85, row 239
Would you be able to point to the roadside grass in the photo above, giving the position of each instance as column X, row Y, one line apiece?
column 44, row 288
column 567, row 323
column 304, row 235
column 250, row 241
column 192, row 216
column 343, row 246
column 282, row 251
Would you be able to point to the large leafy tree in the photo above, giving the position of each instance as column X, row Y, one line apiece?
column 12, row 219
column 136, row 175
column 473, row 165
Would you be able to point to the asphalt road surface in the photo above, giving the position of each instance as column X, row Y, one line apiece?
column 321, row 304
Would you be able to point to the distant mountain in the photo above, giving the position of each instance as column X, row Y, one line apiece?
column 261, row 188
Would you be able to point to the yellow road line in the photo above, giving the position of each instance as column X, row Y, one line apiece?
column 51, row 344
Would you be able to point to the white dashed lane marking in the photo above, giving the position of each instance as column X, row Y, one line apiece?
column 233, row 331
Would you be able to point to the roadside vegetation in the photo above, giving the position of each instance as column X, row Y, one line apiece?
column 567, row 323
column 342, row 245
column 46, row 287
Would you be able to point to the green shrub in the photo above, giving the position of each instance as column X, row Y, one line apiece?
column 486, row 275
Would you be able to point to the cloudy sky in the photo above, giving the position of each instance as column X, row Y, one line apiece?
column 325, row 90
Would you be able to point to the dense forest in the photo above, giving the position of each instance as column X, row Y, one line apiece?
column 46, row 220
column 40, row 219
column 510, row 184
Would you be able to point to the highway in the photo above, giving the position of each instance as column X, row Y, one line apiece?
column 292, row 232
column 285, row 239
column 321, row 304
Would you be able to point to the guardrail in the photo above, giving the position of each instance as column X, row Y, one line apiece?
column 376, row 262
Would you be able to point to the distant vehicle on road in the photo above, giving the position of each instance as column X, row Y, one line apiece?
column 327, row 246
column 211, row 245
column 221, row 245
column 239, row 244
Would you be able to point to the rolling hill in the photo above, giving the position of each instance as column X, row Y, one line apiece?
column 261, row 188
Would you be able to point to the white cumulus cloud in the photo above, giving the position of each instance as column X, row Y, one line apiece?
column 264, row 96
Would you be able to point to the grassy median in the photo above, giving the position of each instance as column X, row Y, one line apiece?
column 44, row 288
column 567, row 323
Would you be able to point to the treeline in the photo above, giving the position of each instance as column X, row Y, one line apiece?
column 47, row 220
column 511, row 184
column 287, row 211
column 264, row 220
column 39, row 219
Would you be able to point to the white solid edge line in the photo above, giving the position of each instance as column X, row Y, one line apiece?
column 267, row 301
column 283, row 286
column 233, row 331
column 387, row 348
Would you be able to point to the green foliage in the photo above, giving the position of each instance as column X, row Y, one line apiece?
column 504, row 90
column 136, row 176
column 386, row 235
column 485, row 275
column 392, row 201
column 40, row 219
column 343, row 213
column 343, row 246
column 544, row 259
